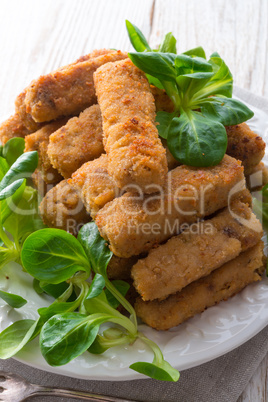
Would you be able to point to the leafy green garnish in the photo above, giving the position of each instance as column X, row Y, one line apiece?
column 14, row 301
column 15, row 337
column 13, row 179
column 13, row 149
column 18, row 203
column 200, row 90
column 68, row 327
column 53, row 255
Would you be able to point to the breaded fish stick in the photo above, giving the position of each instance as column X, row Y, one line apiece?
column 120, row 268
column 135, row 152
column 257, row 178
column 12, row 127
column 67, row 91
column 162, row 100
column 94, row 185
column 38, row 141
column 26, row 118
column 196, row 253
column 133, row 224
column 221, row 284
column 79, row 141
column 62, row 208
column 20, row 105
column 245, row 145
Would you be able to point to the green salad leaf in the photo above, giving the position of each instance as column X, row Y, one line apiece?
column 168, row 44
column 137, row 38
column 13, row 149
column 201, row 91
column 14, row 301
column 190, row 137
column 96, row 248
column 14, row 177
column 53, row 255
column 15, row 337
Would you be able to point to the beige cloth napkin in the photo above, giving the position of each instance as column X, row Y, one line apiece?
column 221, row 380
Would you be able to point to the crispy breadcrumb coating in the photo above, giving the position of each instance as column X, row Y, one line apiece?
column 26, row 118
column 120, row 268
column 79, row 141
column 135, row 153
column 245, row 145
column 12, row 127
column 257, row 178
column 63, row 209
column 133, row 224
column 94, row 185
column 221, row 284
column 38, row 141
column 66, row 91
column 196, row 252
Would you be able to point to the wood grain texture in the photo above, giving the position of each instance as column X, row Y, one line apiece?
column 238, row 30
column 37, row 36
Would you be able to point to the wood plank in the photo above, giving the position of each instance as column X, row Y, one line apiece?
column 237, row 30
column 42, row 35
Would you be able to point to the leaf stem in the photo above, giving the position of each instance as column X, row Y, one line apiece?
column 122, row 300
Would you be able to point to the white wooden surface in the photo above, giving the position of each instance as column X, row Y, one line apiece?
column 37, row 36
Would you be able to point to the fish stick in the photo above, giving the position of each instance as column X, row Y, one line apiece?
column 135, row 153
column 196, row 252
column 221, row 284
column 257, row 178
column 20, row 105
column 120, row 268
column 67, row 91
column 79, row 141
column 134, row 224
column 94, row 185
column 245, row 145
column 26, row 118
column 162, row 100
column 63, row 209
column 38, row 141
column 12, row 127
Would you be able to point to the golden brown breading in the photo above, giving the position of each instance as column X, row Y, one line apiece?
column 171, row 161
column 26, row 118
column 196, row 252
column 38, row 141
column 79, row 141
column 257, row 178
column 133, row 224
column 63, row 209
column 12, row 127
column 120, row 268
column 245, row 145
column 66, row 91
column 94, row 185
column 221, row 284
column 135, row 152
column 162, row 100
column 20, row 105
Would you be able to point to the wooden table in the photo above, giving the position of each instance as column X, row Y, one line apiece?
column 40, row 35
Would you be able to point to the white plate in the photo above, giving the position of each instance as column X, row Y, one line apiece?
column 206, row 336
